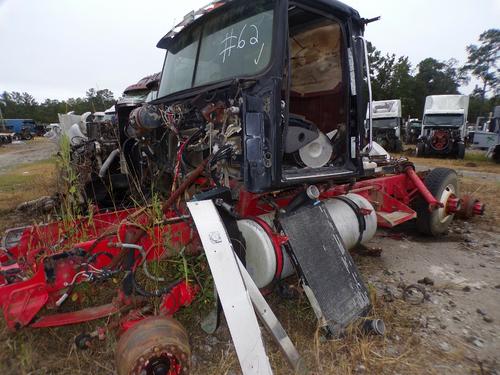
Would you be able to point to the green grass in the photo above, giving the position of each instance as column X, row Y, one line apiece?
column 476, row 157
column 26, row 182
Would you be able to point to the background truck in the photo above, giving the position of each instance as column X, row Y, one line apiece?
column 488, row 135
column 22, row 128
column 386, row 115
column 490, row 138
column 5, row 136
column 413, row 128
column 443, row 126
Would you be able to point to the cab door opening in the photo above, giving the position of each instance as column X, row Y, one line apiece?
column 315, row 135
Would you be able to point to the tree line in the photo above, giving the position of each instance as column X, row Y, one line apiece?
column 23, row 105
column 393, row 77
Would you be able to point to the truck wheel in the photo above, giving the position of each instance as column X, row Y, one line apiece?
column 398, row 146
column 420, row 150
column 155, row 346
column 461, row 151
column 441, row 182
column 495, row 154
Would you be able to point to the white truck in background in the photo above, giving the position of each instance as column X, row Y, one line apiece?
column 387, row 120
column 443, row 126
column 487, row 136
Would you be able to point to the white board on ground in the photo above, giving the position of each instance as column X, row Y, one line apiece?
column 234, row 297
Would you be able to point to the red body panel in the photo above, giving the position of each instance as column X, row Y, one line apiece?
column 43, row 250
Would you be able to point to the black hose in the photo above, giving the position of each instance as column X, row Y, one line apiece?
column 145, row 293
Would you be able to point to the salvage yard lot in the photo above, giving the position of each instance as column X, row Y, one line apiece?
column 455, row 331
column 25, row 182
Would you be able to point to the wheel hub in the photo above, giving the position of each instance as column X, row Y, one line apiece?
column 159, row 366
column 453, row 204
column 154, row 346
column 448, row 193
column 162, row 362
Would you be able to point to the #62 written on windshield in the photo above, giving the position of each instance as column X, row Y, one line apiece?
column 232, row 41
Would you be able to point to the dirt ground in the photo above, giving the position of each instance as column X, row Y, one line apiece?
column 455, row 330
column 24, row 152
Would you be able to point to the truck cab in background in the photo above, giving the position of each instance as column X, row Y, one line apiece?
column 443, row 126
column 386, row 115
column 488, row 138
column 413, row 128
column 21, row 128
column 487, row 135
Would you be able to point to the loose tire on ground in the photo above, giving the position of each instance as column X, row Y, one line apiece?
column 441, row 182
column 154, row 346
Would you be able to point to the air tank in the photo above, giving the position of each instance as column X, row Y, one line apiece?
column 353, row 215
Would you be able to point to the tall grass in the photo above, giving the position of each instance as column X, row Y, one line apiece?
column 69, row 186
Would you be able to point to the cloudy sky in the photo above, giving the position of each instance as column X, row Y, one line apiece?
column 60, row 48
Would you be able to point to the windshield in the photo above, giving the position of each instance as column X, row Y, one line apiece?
column 138, row 96
column 444, row 120
column 385, row 122
column 236, row 43
column 152, row 96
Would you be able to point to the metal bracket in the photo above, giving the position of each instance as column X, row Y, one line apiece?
column 272, row 323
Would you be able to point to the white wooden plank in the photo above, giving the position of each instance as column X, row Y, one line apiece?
column 235, row 300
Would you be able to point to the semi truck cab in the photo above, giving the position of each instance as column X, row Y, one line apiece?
column 274, row 86
column 387, row 121
column 443, row 126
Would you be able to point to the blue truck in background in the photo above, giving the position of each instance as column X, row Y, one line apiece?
column 21, row 128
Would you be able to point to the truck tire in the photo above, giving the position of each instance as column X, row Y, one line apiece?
column 441, row 182
column 398, row 146
column 28, row 137
column 420, row 150
column 461, row 150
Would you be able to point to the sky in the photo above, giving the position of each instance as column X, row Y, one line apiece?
column 60, row 48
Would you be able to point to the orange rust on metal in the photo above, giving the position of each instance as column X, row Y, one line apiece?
column 214, row 112
column 470, row 207
column 185, row 185
column 132, row 236
column 152, row 344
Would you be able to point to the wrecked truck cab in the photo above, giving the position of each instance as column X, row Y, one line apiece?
column 443, row 126
column 277, row 82
column 387, row 121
